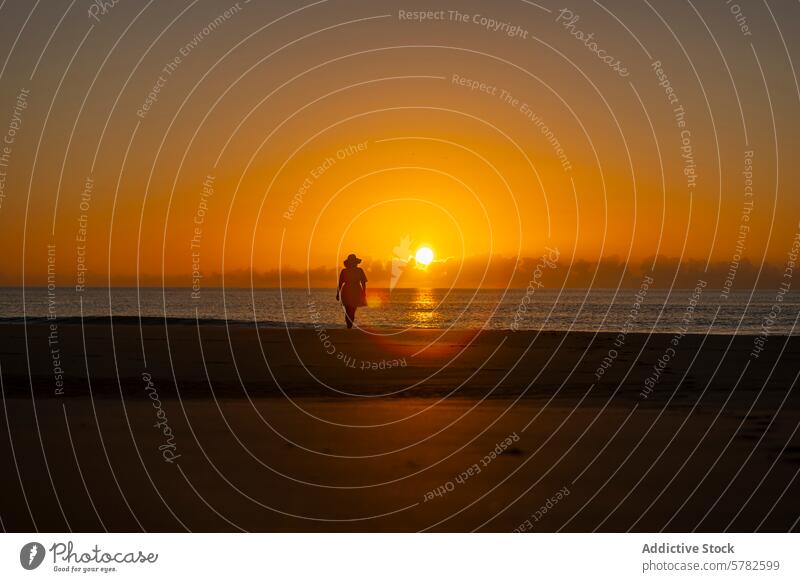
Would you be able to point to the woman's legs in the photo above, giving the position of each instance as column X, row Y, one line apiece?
column 349, row 315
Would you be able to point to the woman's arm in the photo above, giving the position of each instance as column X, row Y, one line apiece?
column 364, row 286
column 341, row 282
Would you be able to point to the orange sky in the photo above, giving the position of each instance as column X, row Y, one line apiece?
column 276, row 119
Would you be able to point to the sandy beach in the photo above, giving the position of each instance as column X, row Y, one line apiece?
column 303, row 430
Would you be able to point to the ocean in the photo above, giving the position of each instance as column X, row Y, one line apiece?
column 606, row 310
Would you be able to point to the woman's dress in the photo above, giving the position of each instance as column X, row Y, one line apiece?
column 353, row 294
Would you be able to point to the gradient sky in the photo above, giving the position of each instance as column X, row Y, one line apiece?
column 260, row 104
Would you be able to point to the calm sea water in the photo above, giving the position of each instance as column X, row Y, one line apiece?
column 574, row 309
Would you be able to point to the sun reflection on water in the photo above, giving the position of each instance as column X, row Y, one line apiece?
column 423, row 308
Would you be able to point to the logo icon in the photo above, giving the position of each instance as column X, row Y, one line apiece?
column 401, row 253
column 31, row 555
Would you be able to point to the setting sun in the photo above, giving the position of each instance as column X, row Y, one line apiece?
column 424, row 256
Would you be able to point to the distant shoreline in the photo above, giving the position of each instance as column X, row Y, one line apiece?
column 154, row 321
column 594, row 310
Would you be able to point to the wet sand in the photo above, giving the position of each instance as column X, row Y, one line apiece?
column 210, row 428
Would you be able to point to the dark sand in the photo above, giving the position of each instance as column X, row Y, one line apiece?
column 275, row 434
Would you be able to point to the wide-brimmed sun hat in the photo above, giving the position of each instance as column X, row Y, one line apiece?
column 351, row 260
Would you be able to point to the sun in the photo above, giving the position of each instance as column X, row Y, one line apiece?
column 424, row 256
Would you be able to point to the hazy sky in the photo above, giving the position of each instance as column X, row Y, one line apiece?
column 159, row 138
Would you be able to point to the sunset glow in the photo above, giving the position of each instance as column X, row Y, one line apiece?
column 424, row 256
column 238, row 179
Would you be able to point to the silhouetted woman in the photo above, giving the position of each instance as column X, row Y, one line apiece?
column 352, row 287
